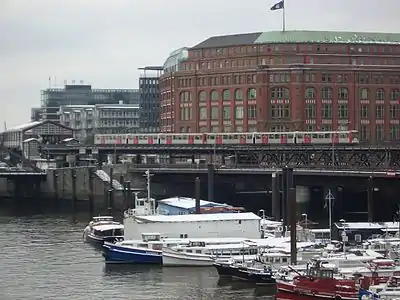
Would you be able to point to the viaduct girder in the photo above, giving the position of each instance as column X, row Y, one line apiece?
column 358, row 158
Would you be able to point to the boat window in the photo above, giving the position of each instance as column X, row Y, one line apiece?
column 284, row 259
column 189, row 251
column 142, row 245
column 198, row 251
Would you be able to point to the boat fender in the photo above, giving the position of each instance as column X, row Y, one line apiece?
column 338, row 298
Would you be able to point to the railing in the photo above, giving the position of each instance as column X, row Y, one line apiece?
column 261, row 168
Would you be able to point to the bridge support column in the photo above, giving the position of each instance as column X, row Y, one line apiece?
column 370, row 199
column 210, row 179
column 91, row 192
column 276, row 210
column 55, row 185
column 74, row 196
column 287, row 185
column 197, row 192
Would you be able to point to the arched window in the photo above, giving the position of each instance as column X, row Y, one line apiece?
column 202, row 96
column 364, row 94
column 226, row 95
column 310, row 93
column 326, row 93
column 238, row 95
column 380, row 94
column 251, row 94
column 185, row 96
column 214, row 95
column 343, row 93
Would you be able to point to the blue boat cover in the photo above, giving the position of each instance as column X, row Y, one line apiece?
column 367, row 295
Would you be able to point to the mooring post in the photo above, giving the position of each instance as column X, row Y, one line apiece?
column 110, row 202
column 370, row 199
column 293, row 225
column 128, row 195
column 125, row 196
column 74, row 196
column 276, row 209
column 197, row 194
column 210, row 179
column 284, row 199
column 55, row 186
column 91, row 192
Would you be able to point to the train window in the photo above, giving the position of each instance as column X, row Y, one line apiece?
column 197, row 137
column 211, row 137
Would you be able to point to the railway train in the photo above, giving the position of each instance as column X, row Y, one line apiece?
column 239, row 138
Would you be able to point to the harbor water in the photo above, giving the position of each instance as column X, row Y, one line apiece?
column 44, row 257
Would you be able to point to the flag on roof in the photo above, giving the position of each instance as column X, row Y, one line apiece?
column 279, row 5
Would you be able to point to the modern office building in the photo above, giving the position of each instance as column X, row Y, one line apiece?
column 87, row 120
column 53, row 98
column 287, row 81
column 36, row 114
column 149, row 102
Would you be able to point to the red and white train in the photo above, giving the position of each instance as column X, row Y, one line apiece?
column 238, row 138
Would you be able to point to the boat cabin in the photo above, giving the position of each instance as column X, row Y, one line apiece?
column 218, row 250
column 108, row 230
column 319, row 270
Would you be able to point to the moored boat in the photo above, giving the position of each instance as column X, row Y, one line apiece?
column 321, row 281
column 246, row 271
column 103, row 229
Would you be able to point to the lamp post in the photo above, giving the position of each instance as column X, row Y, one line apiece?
column 305, row 224
column 344, row 235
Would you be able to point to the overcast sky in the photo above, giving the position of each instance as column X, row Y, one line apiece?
column 103, row 42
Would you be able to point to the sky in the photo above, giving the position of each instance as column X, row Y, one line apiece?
column 104, row 42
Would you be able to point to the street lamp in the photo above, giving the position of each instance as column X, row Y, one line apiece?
column 305, row 224
column 344, row 235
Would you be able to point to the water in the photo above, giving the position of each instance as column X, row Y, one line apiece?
column 44, row 257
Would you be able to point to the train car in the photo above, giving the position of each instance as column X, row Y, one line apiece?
column 238, row 138
column 182, row 138
column 327, row 137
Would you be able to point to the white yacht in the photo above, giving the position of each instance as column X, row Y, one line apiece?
column 103, row 229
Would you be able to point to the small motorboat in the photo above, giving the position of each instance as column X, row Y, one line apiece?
column 103, row 229
column 246, row 271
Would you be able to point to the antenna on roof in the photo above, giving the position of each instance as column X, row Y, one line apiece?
column 5, row 126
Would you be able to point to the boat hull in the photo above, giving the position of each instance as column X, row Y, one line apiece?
column 99, row 240
column 244, row 274
column 178, row 259
column 114, row 254
column 290, row 288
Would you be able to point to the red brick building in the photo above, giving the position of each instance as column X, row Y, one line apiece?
column 284, row 81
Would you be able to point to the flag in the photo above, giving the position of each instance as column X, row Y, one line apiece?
column 279, row 5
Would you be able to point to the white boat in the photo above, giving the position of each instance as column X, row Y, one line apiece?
column 389, row 290
column 197, row 254
column 103, row 229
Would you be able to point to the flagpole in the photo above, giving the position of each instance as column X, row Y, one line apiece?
column 330, row 215
column 283, row 19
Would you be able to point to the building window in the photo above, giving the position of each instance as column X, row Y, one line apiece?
column 395, row 132
column 215, row 113
column 238, row 95
column 252, row 112
column 379, row 132
column 227, row 113
column 227, row 128
column 364, row 112
column 239, row 128
column 203, row 129
column 310, row 111
column 394, row 111
column 202, row 96
column 310, row 93
column 280, row 93
column 239, row 112
column 326, row 127
column 379, row 112
column 186, row 113
column 214, row 129
column 203, row 113
column 364, row 133
column 380, row 94
column 395, row 95
column 186, row 96
column 251, row 94
column 226, row 95
column 252, row 128
column 363, row 78
column 343, row 93
column 326, row 111
column 326, row 93
column 310, row 128
column 326, row 77
column 280, row 111
column 343, row 111
column 214, row 96
column 364, row 94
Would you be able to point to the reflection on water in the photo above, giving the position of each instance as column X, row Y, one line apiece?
column 44, row 257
